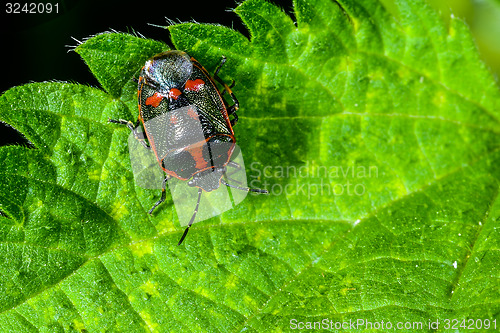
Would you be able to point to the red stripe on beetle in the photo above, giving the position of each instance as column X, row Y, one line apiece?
column 197, row 153
column 194, row 85
column 154, row 100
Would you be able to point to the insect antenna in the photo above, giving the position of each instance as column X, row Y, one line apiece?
column 192, row 218
column 256, row 190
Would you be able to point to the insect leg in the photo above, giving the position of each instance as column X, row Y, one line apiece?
column 230, row 86
column 222, row 62
column 192, row 218
column 256, row 190
column 228, row 175
column 139, row 136
column 163, row 194
column 232, row 109
column 235, row 117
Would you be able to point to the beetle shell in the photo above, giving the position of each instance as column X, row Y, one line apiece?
column 184, row 116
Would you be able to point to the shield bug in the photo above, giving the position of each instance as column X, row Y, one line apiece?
column 188, row 124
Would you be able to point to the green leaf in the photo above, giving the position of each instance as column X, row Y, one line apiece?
column 377, row 136
column 115, row 58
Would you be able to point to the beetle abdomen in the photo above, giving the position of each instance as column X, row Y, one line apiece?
column 185, row 162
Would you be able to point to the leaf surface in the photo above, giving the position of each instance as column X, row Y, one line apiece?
column 378, row 138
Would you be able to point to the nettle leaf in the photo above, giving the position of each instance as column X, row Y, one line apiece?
column 377, row 136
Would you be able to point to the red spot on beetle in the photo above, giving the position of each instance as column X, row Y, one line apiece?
column 194, row 85
column 174, row 93
column 154, row 100
column 191, row 113
column 173, row 119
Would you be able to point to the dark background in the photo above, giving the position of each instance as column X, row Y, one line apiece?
column 34, row 46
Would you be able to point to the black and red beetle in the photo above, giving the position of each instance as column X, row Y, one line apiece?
column 176, row 95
